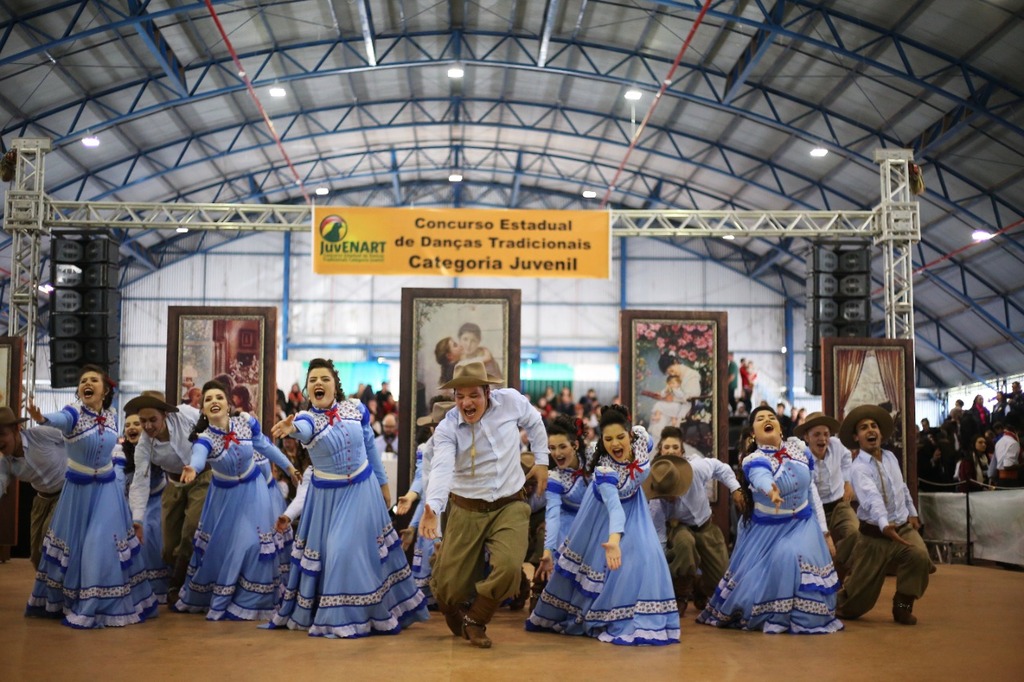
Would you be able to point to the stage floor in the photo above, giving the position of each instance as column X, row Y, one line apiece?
column 970, row 623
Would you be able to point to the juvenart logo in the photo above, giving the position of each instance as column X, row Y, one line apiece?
column 336, row 247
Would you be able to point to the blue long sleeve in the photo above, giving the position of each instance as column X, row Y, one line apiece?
column 200, row 451
column 369, row 442
column 552, row 515
column 262, row 445
column 607, row 485
column 64, row 421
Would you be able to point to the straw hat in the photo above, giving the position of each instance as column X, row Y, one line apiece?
column 437, row 413
column 847, row 431
column 471, row 374
column 817, row 419
column 670, row 476
column 148, row 399
column 8, row 418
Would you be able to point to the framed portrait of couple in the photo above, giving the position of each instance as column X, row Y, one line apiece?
column 442, row 329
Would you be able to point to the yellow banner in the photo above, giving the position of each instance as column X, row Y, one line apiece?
column 461, row 242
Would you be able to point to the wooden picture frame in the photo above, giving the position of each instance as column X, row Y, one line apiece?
column 12, row 350
column 674, row 371
column 236, row 344
column 429, row 318
column 858, row 371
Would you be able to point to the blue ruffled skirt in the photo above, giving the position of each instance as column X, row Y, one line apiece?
column 349, row 576
column 422, row 553
column 633, row 605
column 157, row 572
column 780, row 579
column 91, row 572
column 234, row 571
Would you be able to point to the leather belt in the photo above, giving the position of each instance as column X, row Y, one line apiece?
column 484, row 506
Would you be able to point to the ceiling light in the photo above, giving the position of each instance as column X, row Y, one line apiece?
column 819, row 152
column 181, row 229
column 455, row 177
column 277, row 91
column 728, row 237
column 456, row 72
column 322, row 191
column 91, row 141
column 589, row 194
column 633, row 95
column 981, row 235
column 46, row 288
column 783, row 350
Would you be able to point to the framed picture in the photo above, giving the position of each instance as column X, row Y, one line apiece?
column 236, row 346
column 443, row 328
column 674, row 372
column 11, row 349
column 878, row 372
column 10, row 372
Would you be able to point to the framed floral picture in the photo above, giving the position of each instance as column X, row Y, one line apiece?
column 441, row 329
column 235, row 346
column 674, row 373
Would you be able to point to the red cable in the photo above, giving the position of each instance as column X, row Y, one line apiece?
column 252, row 93
column 657, row 98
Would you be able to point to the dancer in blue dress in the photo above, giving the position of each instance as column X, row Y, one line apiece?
column 611, row 580
column 91, row 571
column 234, row 571
column 566, row 487
column 157, row 572
column 780, row 577
column 349, row 577
column 283, row 538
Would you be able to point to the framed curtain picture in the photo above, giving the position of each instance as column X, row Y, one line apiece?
column 11, row 349
column 236, row 346
column 859, row 371
column 674, row 373
column 441, row 329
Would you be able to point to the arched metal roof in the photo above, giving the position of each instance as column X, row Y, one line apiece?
column 540, row 116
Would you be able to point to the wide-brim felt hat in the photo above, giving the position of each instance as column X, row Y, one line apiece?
column 437, row 413
column 148, row 399
column 670, row 476
column 8, row 418
column 471, row 374
column 527, row 459
column 817, row 419
column 848, row 429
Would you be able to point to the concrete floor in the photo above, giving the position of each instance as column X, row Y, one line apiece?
column 971, row 623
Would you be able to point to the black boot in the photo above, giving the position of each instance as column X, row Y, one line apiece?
column 902, row 607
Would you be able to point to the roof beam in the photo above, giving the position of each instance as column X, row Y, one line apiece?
column 366, row 26
column 545, row 36
column 751, row 57
column 159, row 49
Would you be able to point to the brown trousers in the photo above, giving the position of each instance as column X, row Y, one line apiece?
column 42, row 514
column 687, row 549
column 843, row 527
column 458, row 568
column 180, row 509
column 871, row 558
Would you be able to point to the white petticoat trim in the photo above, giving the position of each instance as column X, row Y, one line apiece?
column 589, row 579
column 835, row 625
column 101, row 620
column 666, row 636
column 819, row 578
column 236, row 611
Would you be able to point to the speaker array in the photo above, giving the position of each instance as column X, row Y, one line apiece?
column 838, row 302
column 85, row 308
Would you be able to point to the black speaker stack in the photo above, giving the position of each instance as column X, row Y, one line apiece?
column 85, row 307
column 838, row 302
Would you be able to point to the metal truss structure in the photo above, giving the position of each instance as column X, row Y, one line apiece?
column 31, row 215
